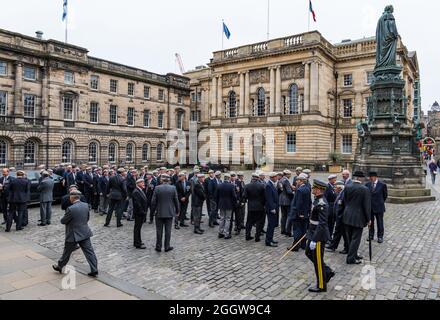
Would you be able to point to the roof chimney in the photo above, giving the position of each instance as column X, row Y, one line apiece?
column 39, row 35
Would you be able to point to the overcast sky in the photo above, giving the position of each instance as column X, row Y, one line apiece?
column 147, row 34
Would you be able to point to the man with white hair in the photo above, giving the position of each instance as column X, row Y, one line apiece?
column 346, row 178
column 45, row 188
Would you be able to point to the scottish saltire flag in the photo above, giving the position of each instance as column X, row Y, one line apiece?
column 64, row 10
column 312, row 11
column 226, row 31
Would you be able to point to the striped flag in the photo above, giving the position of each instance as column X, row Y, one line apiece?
column 312, row 11
column 65, row 10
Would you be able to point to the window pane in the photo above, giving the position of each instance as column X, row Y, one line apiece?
column 146, row 92
column 113, row 114
column 161, row 94
column 30, row 73
column 147, row 118
column 293, row 99
column 29, row 152
column 3, row 152
column 3, row 103
column 3, row 68
column 159, row 152
column 145, row 152
column 348, row 108
column 93, row 152
column 94, row 82
column 67, row 150
column 232, row 105
column 112, row 152
column 261, row 103
column 69, row 77
column 94, row 112
column 129, row 151
column 29, row 106
column 68, row 108
column 130, row 117
column 291, row 142
column 348, row 80
column 131, row 89
column 113, row 86
column 160, row 119
column 347, row 144
column 180, row 117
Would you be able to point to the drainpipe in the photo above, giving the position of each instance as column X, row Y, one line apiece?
column 336, row 75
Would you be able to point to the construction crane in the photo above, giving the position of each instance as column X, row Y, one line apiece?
column 180, row 63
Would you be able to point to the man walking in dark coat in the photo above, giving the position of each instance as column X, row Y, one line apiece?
column 379, row 195
column 317, row 236
column 150, row 186
column 213, row 182
column 140, row 207
column 226, row 201
column 117, row 191
column 286, row 197
column 165, row 207
column 4, row 193
column 77, row 233
column 198, row 198
column 272, row 209
column 103, row 196
column 19, row 194
column 357, row 215
column 255, row 196
column 183, row 192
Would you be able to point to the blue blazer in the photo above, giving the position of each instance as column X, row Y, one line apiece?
column 226, row 196
column 19, row 190
column 272, row 199
column 301, row 204
column 378, row 197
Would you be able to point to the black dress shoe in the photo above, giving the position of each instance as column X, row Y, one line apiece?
column 186, row 219
column 158, row 250
column 19, row 229
column 107, row 225
column 3, row 223
column 57, row 268
column 150, row 222
column 359, row 258
column 263, row 231
column 176, row 227
column 41, row 225
column 228, row 237
column 182, row 225
column 198, row 232
column 201, row 230
column 271, row 244
column 120, row 225
column 237, row 233
column 380, row 240
column 317, row 290
column 93, row 274
column 169, row 249
column 330, row 276
column 141, row 247
column 257, row 240
column 330, row 249
column 249, row 238
column 343, row 252
column 216, row 224
column 275, row 242
column 355, row 262
column 221, row 236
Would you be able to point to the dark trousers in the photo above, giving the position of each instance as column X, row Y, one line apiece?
column 354, row 236
column 380, row 226
column 87, row 249
column 46, row 212
column 95, row 201
column 4, row 208
column 213, row 211
column 89, row 196
column 331, row 219
column 286, row 224
column 255, row 218
column 272, row 223
column 239, row 217
column 299, row 230
column 338, row 234
column 115, row 205
column 17, row 213
column 322, row 271
column 183, row 210
column 197, row 216
column 138, row 222
column 161, row 225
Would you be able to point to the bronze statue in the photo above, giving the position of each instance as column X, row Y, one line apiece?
column 386, row 37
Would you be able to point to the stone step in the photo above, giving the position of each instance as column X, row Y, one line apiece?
column 409, row 193
column 408, row 200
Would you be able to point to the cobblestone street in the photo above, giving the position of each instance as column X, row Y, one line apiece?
column 407, row 265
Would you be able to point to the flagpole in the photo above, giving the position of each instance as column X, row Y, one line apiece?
column 268, row 19
column 67, row 17
column 223, row 33
column 308, row 28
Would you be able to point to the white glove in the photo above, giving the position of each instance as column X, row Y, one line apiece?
column 273, row 211
column 312, row 245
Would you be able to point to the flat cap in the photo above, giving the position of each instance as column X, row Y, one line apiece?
column 273, row 174
column 287, row 172
column 73, row 186
column 240, row 174
column 255, row 175
column 233, row 174
column 196, row 170
column 211, row 171
column 332, row 176
column 302, row 177
column 299, row 169
column 340, row 184
column 200, row 175
column 307, row 171
column 317, row 184
column 227, row 175
column 75, row 193
column 262, row 174
column 218, row 173
column 139, row 181
column 163, row 168
column 44, row 173
column 182, row 174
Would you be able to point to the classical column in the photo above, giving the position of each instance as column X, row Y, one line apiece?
column 307, row 87
column 278, row 91
column 314, row 87
column 220, row 111
column 272, row 91
column 247, row 101
column 214, row 97
column 18, row 90
column 242, row 94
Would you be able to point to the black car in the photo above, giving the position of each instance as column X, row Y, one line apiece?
column 34, row 176
column 205, row 167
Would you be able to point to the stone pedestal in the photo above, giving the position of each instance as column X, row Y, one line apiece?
column 388, row 143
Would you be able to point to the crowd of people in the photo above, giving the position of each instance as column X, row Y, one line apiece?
column 338, row 210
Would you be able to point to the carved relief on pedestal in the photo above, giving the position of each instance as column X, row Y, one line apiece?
column 382, row 145
column 230, row 80
column 259, row 76
column 292, row 71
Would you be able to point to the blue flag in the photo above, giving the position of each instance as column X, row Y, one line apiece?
column 226, row 31
column 64, row 10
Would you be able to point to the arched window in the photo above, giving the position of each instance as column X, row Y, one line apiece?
column 67, row 152
column 159, row 152
column 29, row 152
column 261, row 102
column 93, row 152
column 3, row 152
column 293, row 99
column 129, row 150
column 112, row 151
column 232, row 105
column 145, row 152
column 180, row 118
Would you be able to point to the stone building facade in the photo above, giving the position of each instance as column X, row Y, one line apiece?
column 60, row 105
column 296, row 99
